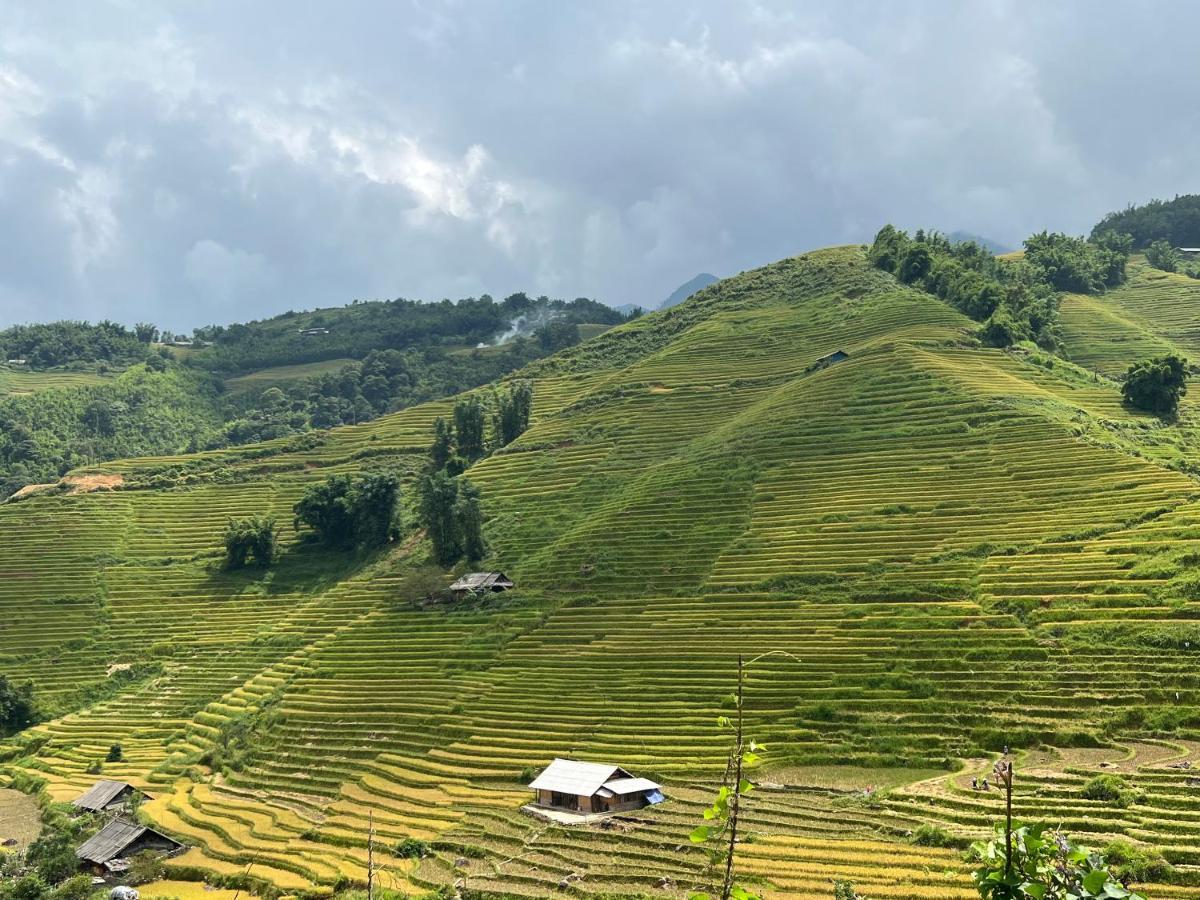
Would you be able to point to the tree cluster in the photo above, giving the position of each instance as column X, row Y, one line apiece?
column 1072, row 264
column 253, row 538
column 1012, row 300
column 345, row 512
column 1156, row 385
column 77, row 344
column 1177, row 222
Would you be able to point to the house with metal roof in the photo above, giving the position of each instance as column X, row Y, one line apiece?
column 110, row 848
column 481, row 583
column 589, row 788
column 107, row 796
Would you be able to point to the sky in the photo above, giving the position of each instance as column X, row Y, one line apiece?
column 212, row 161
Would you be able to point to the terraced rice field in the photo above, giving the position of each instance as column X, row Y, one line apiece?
column 958, row 547
column 22, row 381
column 261, row 379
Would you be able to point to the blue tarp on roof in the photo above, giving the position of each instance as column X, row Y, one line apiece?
column 655, row 797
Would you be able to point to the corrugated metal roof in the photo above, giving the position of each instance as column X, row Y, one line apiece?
column 569, row 776
column 475, row 581
column 110, row 840
column 101, row 794
column 630, row 785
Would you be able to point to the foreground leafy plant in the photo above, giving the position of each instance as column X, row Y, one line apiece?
column 1043, row 865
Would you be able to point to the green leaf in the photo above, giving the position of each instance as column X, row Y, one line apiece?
column 745, row 786
column 724, row 722
column 1037, row 891
column 1094, row 881
column 750, row 758
column 701, row 896
column 700, row 834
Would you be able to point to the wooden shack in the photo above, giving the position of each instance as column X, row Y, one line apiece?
column 589, row 788
column 108, row 796
column 109, row 849
column 481, row 583
column 829, row 359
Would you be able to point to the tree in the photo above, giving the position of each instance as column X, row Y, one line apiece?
column 443, row 445
column 469, row 516
column 1162, row 255
column 468, row 427
column 116, row 753
column 376, row 509
column 146, row 333
column 254, row 538
column 1156, row 385
column 915, row 263
column 514, row 411
column 17, row 707
column 438, row 493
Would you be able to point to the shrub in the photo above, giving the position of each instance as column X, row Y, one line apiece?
column 115, row 753
column 1132, row 863
column 1110, row 789
column 17, row 707
column 1042, row 864
column 1162, row 255
column 145, row 867
column 933, row 836
column 411, row 848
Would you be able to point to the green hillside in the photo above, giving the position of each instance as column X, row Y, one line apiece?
column 960, row 547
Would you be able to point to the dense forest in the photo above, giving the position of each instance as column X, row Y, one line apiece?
column 354, row 331
column 401, row 353
column 1175, row 221
column 105, row 345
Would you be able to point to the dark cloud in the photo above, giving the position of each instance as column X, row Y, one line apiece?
column 190, row 163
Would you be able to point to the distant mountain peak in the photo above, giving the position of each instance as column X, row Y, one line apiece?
column 685, row 290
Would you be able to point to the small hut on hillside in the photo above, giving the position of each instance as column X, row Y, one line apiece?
column 589, row 788
column 107, row 796
column 108, row 850
column 481, row 583
column 829, row 359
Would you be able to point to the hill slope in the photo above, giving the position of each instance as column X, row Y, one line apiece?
column 961, row 547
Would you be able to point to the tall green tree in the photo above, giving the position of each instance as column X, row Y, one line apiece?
column 17, row 707
column 469, row 516
column 376, row 508
column 514, row 409
column 468, row 428
column 443, row 445
column 438, row 495
column 326, row 508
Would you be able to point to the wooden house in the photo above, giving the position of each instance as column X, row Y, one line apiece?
column 107, row 796
column 588, row 788
column 481, row 583
column 109, row 849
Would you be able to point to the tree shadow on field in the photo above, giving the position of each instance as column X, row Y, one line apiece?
column 304, row 567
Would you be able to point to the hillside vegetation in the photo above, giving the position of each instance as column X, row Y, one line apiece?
column 61, row 406
column 961, row 547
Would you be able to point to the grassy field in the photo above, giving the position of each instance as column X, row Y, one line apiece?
column 959, row 547
column 21, row 381
column 265, row 378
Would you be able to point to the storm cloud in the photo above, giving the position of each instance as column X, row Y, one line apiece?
column 218, row 161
